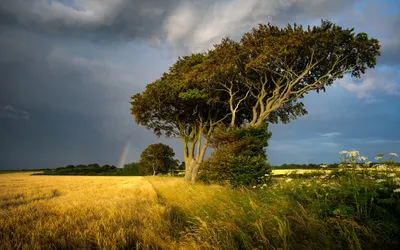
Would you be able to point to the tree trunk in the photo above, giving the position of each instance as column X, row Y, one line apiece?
column 189, row 168
column 195, row 170
column 192, row 160
column 198, row 161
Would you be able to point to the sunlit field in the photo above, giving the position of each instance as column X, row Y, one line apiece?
column 42, row 212
column 339, row 209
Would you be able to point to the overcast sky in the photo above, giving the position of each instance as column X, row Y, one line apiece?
column 69, row 67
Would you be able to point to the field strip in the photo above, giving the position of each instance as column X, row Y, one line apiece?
column 327, row 171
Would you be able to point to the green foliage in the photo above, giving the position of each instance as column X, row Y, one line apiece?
column 249, row 170
column 131, row 168
column 91, row 169
column 157, row 158
column 239, row 158
column 167, row 105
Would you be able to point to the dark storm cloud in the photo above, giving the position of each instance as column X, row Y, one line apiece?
column 197, row 25
column 10, row 112
column 391, row 44
column 103, row 19
column 380, row 19
column 75, row 89
column 192, row 25
column 78, row 106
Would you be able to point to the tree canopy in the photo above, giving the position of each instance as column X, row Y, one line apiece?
column 259, row 79
column 156, row 158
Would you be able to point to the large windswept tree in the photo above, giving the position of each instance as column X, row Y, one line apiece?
column 270, row 69
column 172, row 108
column 257, row 80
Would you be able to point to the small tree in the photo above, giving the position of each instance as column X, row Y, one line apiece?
column 156, row 158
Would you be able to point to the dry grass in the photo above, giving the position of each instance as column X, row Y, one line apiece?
column 76, row 212
column 222, row 218
column 73, row 212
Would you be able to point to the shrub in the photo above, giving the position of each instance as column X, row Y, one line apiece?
column 249, row 170
column 239, row 158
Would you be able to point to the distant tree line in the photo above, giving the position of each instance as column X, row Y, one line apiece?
column 91, row 169
column 155, row 159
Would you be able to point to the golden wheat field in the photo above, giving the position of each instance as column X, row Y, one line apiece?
column 76, row 212
column 121, row 212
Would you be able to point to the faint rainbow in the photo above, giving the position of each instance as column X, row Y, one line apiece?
column 123, row 156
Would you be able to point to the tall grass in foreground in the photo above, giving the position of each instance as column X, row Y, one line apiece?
column 344, row 209
column 348, row 208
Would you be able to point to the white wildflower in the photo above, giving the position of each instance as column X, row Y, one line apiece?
column 393, row 154
column 300, row 172
column 340, row 170
column 324, row 166
column 323, row 176
column 378, row 158
column 266, row 174
column 254, row 186
column 353, row 153
column 333, row 176
column 379, row 180
column 343, row 152
column 362, row 158
column 397, row 180
column 391, row 175
column 264, row 185
column 397, row 190
column 289, row 180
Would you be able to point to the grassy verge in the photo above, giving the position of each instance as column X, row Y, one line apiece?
column 338, row 210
